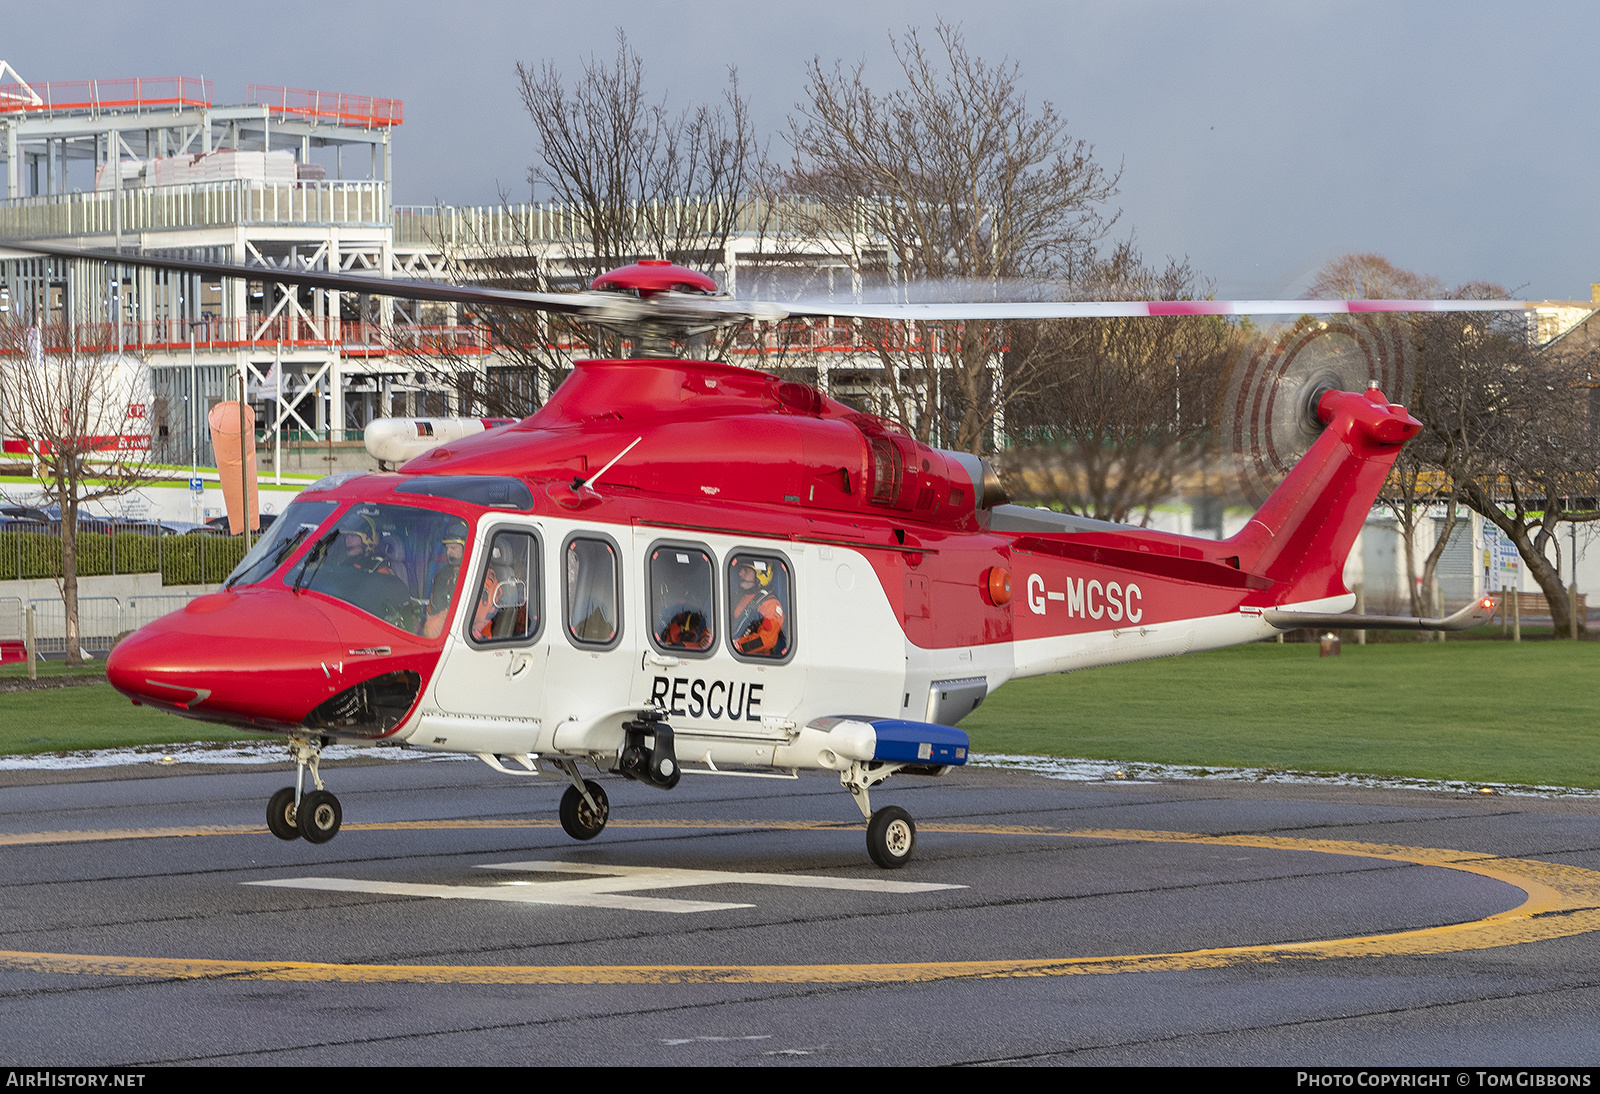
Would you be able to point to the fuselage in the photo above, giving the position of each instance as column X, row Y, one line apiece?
column 761, row 558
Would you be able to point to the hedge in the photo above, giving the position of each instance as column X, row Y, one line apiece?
column 195, row 559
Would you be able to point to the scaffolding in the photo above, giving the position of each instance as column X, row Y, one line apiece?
column 155, row 164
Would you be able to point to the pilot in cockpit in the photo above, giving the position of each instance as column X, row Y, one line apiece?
column 446, row 574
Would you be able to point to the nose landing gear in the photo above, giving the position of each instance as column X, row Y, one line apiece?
column 293, row 814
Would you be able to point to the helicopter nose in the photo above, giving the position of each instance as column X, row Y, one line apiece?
column 258, row 658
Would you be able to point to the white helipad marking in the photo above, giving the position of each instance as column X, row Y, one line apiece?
column 605, row 887
column 696, row 1040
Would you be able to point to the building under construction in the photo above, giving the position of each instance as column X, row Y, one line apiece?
column 288, row 177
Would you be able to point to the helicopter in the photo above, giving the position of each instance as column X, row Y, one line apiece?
column 685, row 568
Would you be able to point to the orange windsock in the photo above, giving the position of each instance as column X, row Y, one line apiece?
column 225, row 437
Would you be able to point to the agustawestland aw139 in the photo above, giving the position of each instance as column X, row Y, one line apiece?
column 677, row 567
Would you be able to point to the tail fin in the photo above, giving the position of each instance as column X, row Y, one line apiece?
column 1301, row 537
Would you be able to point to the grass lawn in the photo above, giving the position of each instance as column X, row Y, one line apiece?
column 91, row 716
column 1478, row 711
column 1475, row 710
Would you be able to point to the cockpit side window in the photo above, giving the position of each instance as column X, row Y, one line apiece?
column 683, row 606
column 508, row 596
column 592, row 593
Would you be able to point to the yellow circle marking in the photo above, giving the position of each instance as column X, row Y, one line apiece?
column 1561, row 901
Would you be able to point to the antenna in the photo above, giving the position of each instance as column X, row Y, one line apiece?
column 582, row 484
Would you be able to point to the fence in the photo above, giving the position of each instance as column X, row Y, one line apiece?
column 334, row 106
column 1538, row 605
column 136, row 95
column 100, row 619
column 219, row 204
column 181, row 558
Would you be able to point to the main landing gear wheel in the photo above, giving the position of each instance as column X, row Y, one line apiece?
column 280, row 815
column 319, row 816
column 578, row 818
column 891, row 837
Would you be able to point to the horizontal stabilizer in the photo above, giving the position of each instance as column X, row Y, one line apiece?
column 1475, row 614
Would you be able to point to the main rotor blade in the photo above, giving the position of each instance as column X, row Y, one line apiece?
column 338, row 280
column 678, row 309
column 1110, row 309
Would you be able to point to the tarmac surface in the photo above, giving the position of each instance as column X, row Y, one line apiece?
column 147, row 917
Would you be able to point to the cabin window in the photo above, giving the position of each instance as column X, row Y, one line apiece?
column 507, row 595
column 683, row 605
column 592, row 595
column 760, row 607
column 386, row 560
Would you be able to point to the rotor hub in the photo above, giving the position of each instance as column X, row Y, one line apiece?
column 650, row 276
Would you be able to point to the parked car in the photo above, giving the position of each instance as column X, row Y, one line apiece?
column 24, row 512
column 220, row 524
column 22, row 524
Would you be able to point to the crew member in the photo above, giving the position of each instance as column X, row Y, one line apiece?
column 757, row 611
column 360, row 545
column 445, row 577
column 685, row 629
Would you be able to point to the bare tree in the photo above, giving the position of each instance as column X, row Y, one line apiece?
column 1415, row 486
column 624, row 178
column 635, row 177
column 1371, row 277
column 953, row 177
column 1128, row 409
column 1509, row 427
column 82, row 413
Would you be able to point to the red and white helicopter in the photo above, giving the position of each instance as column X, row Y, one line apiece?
column 678, row 566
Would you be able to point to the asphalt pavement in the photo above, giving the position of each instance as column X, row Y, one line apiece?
column 147, row 917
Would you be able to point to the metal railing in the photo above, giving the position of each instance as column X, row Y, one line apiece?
column 99, row 623
column 227, row 203
column 137, row 94
column 101, row 619
column 260, row 334
column 505, row 225
column 335, row 106
column 140, row 610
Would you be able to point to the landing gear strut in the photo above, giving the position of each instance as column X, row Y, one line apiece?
column 294, row 814
column 891, row 833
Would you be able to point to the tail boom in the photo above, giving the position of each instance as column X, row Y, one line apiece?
column 1101, row 597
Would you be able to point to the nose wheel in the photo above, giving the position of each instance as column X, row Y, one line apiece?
column 319, row 817
column 281, row 814
column 584, row 811
column 314, row 817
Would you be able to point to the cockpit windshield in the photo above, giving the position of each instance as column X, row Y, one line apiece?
column 392, row 561
column 298, row 522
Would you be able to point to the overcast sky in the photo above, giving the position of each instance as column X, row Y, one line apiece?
column 1258, row 140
